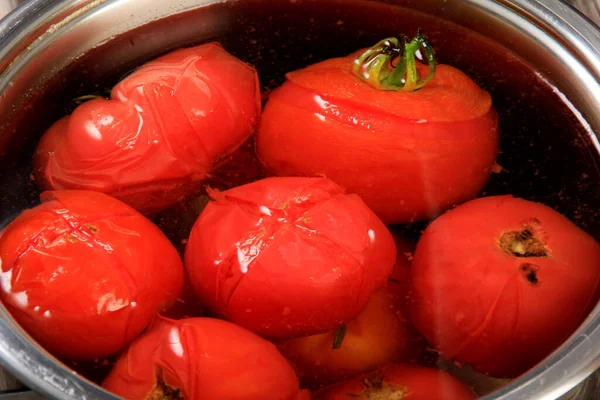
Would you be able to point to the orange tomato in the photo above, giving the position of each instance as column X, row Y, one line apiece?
column 381, row 333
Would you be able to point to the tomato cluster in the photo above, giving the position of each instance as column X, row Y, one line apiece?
column 294, row 281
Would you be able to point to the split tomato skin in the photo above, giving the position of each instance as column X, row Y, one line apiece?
column 163, row 129
column 84, row 273
column 288, row 257
column 203, row 359
column 400, row 381
column 381, row 333
column 501, row 282
column 409, row 156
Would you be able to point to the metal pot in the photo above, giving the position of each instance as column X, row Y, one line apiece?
column 52, row 48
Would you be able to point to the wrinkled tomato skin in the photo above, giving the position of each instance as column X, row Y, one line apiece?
column 288, row 257
column 419, row 383
column 409, row 156
column 84, row 273
column 205, row 359
column 477, row 304
column 381, row 333
column 158, row 136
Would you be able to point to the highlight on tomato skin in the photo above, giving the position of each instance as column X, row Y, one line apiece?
column 410, row 155
column 288, row 257
column 399, row 382
column 202, row 359
column 381, row 333
column 84, row 273
column 160, row 133
column 500, row 282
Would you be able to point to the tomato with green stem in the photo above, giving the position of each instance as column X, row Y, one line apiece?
column 161, row 132
column 381, row 333
column 84, row 273
column 411, row 139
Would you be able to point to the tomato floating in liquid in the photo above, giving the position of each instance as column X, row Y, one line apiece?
column 381, row 333
column 411, row 147
column 84, row 273
column 400, row 382
column 288, row 257
column 158, row 136
column 203, row 359
column 500, row 282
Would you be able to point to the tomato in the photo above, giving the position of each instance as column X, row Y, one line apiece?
column 408, row 154
column 500, row 282
column 398, row 382
column 287, row 257
column 381, row 333
column 84, row 273
column 157, row 138
column 203, row 359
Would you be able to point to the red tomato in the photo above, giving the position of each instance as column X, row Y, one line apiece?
column 398, row 382
column 288, row 257
column 409, row 155
column 156, row 139
column 380, row 334
column 85, row 273
column 500, row 282
column 203, row 359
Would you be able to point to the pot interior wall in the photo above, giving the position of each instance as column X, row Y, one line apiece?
column 547, row 154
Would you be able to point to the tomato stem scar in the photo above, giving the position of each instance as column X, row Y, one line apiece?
column 162, row 391
column 377, row 389
column 523, row 243
column 340, row 334
column 376, row 65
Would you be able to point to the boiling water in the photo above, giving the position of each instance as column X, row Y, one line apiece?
column 546, row 154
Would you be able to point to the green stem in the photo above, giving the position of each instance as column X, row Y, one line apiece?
column 103, row 94
column 375, row 65
column 340, row 334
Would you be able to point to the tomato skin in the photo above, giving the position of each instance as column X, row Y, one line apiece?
column 478, row 304
column 380, row 334
column 409, row 156
column 206, row 359
column 288, row 257
column 419, row 383
column 84, row 273
column 156, row 139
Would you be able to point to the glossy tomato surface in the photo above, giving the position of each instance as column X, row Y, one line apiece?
column 400, row 382
column 203, row 359
column 288, row 257
column 154, row 141
column 409, row 155
column 84, row 273
column 500, row 282
column 381, row 333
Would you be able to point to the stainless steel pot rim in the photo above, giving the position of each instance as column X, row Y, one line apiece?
column 561, row 371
